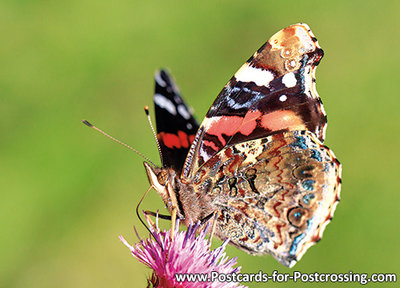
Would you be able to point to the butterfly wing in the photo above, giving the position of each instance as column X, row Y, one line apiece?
column 176, row 126
column 273, row 195
column 273, row 91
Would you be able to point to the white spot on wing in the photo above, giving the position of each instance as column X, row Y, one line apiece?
column 289, row 80
column 305, row 35
column 159, row 80
column 283, row 98
column 183, row 112
column 257, row 75
column 165, row 103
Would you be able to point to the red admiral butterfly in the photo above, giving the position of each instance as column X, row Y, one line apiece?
column 257, row 161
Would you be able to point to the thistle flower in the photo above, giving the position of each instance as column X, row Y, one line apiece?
column 186, row 253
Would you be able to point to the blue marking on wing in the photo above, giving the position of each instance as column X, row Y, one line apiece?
column 307, row 198
column 308, row 184
column 300, row 142
column 296, row 242
column 316, row 155
column 298, row 239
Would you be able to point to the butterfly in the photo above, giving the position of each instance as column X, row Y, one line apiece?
column 257, row 162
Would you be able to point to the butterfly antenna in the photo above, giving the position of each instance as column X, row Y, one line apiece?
column 116, row 140
column 146, row 110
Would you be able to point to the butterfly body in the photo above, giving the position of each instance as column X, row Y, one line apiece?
column 257, row 160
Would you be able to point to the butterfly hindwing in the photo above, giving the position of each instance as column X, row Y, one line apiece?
column 273, row 195
column 176, row 126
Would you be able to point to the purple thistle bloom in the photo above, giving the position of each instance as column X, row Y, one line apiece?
column 186, row 253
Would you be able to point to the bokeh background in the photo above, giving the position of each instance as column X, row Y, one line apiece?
column 67, row 192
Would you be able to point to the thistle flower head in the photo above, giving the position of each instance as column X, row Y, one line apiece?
column 185, row 253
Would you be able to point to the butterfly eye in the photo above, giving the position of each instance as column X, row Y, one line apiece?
column 297, row 216
column 162, row 177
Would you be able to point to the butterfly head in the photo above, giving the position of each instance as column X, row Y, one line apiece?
column 158, row 179
column 167, row 185
column 190, row 208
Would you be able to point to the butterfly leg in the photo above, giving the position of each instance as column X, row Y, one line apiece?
column 174, row 208
column 173, row 222
column 214, row 226
column 165, row 217
column 154, row 214
column 206, row 219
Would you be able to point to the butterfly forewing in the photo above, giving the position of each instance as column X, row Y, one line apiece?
column 273, row 91
column 176, row 126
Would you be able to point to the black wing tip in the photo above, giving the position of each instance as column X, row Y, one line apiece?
column 163, row 79
column 87, row 123
column 163, row 72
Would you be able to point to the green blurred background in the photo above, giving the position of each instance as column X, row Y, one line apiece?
column 68, row 192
